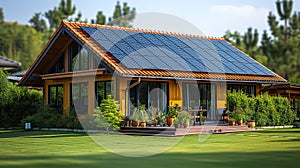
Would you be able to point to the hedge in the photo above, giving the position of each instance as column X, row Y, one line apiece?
column 266, row 110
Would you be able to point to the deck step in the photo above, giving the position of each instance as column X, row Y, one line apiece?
column 192, row 130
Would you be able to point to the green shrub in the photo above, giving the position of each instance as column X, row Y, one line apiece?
column 17, row 102
column 108, row 114
column 266, row 110
column 48, row 117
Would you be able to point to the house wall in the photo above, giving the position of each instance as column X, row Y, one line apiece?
column 121, row 90
column 66, row 82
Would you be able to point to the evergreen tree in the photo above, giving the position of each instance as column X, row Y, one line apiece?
column 282, row 48
column 250, row 41
column 100, row 18
column 122, row 16
column 38, row 22
column 67, row 9
column 1, row 16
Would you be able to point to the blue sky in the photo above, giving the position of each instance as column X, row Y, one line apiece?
column 212, row 17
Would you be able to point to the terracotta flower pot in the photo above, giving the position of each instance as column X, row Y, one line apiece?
column 170, row 121
column 240, row 122
column 143, row 124
column 251, row 123
column 186, row 124
column 231, row 122
column 135, row 123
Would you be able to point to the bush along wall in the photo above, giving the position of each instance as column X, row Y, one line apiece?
column 266, row 110
column 17, row 102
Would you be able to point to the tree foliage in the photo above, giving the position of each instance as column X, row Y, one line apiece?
column 108, row 114
column 16, row 102
column 266, row 110
column 20, row 43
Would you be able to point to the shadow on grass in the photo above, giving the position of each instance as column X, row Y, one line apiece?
column 37, row 134
column 201, row 159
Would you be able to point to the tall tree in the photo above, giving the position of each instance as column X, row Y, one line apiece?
column 67, row 9
column 64, row 11
column 284, row 13
column 122, row 16
column 100, row 18
column 1, row 16
column 38, row 22
column 250, row 40
column 54, row 17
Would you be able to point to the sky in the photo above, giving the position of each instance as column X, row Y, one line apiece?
column 211, row 17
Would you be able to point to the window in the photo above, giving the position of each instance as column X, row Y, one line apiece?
column 55, row 97
column 249, row 89
column 154, row 95
column 103, row 89
column 59, row 66
column 79, row 97
column 199, row 96
column 79, row 57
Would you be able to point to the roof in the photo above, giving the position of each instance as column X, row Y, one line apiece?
column 16, row 77
column 154, row 54
column 8, row 63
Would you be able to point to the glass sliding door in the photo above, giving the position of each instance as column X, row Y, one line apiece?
column 199, row 96
column 151, row 94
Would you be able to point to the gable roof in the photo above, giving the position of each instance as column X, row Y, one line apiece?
column 7, row 63
column 144, row 53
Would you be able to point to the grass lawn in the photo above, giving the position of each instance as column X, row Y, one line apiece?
column 267, row 148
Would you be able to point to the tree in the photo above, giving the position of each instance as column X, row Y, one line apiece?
column 67, row 9
column 108, row 114
column 282, row 48
column 122, row 16
column 1, row 16
column 284, row 13
column 54, row 18
column 38, row 22
column 250, row 41
column 100, row 18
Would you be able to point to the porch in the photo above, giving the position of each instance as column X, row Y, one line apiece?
column 209, row 128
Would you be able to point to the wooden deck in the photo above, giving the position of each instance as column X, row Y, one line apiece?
column 192, row 130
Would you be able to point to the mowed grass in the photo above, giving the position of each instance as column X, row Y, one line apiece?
column 266, row 148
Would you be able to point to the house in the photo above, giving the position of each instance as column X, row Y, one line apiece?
column 8, row 64
column 82, row 63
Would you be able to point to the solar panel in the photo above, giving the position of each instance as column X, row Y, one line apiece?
column 157, row 51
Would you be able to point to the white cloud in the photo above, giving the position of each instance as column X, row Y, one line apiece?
column 225, row 17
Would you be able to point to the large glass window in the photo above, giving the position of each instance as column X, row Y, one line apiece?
column 55, row 97
column 79, row 97
column 249, row 89
column 199, row 96
column 103, row 89
column 151, row 94
column 79, row 57
column 59, row 66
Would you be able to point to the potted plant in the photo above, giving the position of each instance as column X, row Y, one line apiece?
column 135, row 118
column 239, row 115
column 161, row 118
column 177, row 123
column 202, row 120
column 140, row 116
column 183, row 118
column 172, row 113
column 231, row 118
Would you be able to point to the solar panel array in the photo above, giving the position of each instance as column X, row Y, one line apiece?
column 141, row 50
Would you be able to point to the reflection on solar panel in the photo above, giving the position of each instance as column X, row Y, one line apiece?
column 141, row 50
